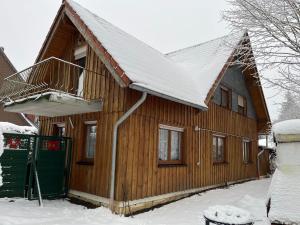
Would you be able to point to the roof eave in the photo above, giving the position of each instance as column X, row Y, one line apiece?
column 168, row 97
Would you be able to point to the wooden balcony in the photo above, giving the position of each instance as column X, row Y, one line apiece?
column 52, row 87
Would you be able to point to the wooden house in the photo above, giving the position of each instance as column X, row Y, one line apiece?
column 7, row 68
column 147, row 128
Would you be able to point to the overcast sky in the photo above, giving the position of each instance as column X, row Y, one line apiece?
column 165, row 25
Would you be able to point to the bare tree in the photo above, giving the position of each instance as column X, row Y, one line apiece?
column 274, row 29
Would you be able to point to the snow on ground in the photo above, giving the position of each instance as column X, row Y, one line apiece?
column 189, row 211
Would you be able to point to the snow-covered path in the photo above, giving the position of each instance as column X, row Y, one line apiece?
column 250, row 196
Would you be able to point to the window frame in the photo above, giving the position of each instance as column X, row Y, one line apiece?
column 218, row 136
column 248, row 141
column 169, row 161
column 84, row 157
column 56, row 127
column 229, row 97
column 244, row 112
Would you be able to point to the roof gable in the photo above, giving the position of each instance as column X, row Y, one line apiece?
column 188, row 76
column 146, row 68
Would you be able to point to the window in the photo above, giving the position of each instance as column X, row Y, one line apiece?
column 242, row 105
column 246, row 151
column 90, row 139
column 59, row 130
column 218, row 149
column 225, row 97
column 80, row 59
column 170, row 145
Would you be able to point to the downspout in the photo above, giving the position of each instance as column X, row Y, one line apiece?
column 114, row 147
column 258, row 162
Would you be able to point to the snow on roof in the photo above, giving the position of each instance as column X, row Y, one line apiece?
column 287, row 127
column 287, row 131
column 6, row 127
column 183, row 76
column 204, row 62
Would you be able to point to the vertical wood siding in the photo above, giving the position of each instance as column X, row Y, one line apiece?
column 138, row 174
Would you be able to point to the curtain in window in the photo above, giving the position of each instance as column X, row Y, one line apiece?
column 175, row 145
column 163, row 144
column 90, row 141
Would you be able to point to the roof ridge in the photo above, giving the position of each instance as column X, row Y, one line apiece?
column 116, row 27
column 196, row 45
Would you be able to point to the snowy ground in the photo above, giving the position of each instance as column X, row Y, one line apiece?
column 250, row 196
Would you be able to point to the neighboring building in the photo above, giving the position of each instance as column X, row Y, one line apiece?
column 6, row 69
column 194, row 125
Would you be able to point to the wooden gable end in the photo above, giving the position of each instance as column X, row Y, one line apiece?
column 255, row 89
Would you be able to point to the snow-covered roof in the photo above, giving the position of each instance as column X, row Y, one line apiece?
column 204, row 62
column 287, row 127
column 183, row 76
column 287, row 131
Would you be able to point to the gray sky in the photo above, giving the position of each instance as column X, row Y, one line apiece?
column 165, row 25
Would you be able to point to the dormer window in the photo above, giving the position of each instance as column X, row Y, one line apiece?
column 242, row 105
column 225, row 97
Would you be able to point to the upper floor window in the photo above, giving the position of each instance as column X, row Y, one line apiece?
column 225, row 97
column 90, row 139
column 242, row 105
column 170, row 145
column 59, row 129
column 218, row 149
column 246, row 151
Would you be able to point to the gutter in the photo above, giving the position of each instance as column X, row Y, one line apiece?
column 114, row 147
column 168, row 97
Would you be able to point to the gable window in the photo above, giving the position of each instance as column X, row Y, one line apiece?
column 90, row 139
column 59, row 130
column 170, row 145
column 242, row 105
column 246, row 151
column 218, row 149
column 225, row 97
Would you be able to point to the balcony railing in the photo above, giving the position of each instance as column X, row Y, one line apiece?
column 49, row 75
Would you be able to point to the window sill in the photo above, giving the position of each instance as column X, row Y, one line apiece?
column 171, row 165
column 220, row 163
column 85, row 162
column 247, row 163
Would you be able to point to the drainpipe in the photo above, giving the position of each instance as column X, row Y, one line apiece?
column 258, row 161
column 114, row 147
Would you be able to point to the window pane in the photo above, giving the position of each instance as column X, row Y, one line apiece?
column 91, row 131
column 163, row 144
column 241, row 101
column 214, row 149
column 224, row 98
column 246, row 151
column 175, row 145
column 220, row 149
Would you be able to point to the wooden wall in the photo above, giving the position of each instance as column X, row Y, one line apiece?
column 94, row 178
column 138, row 174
